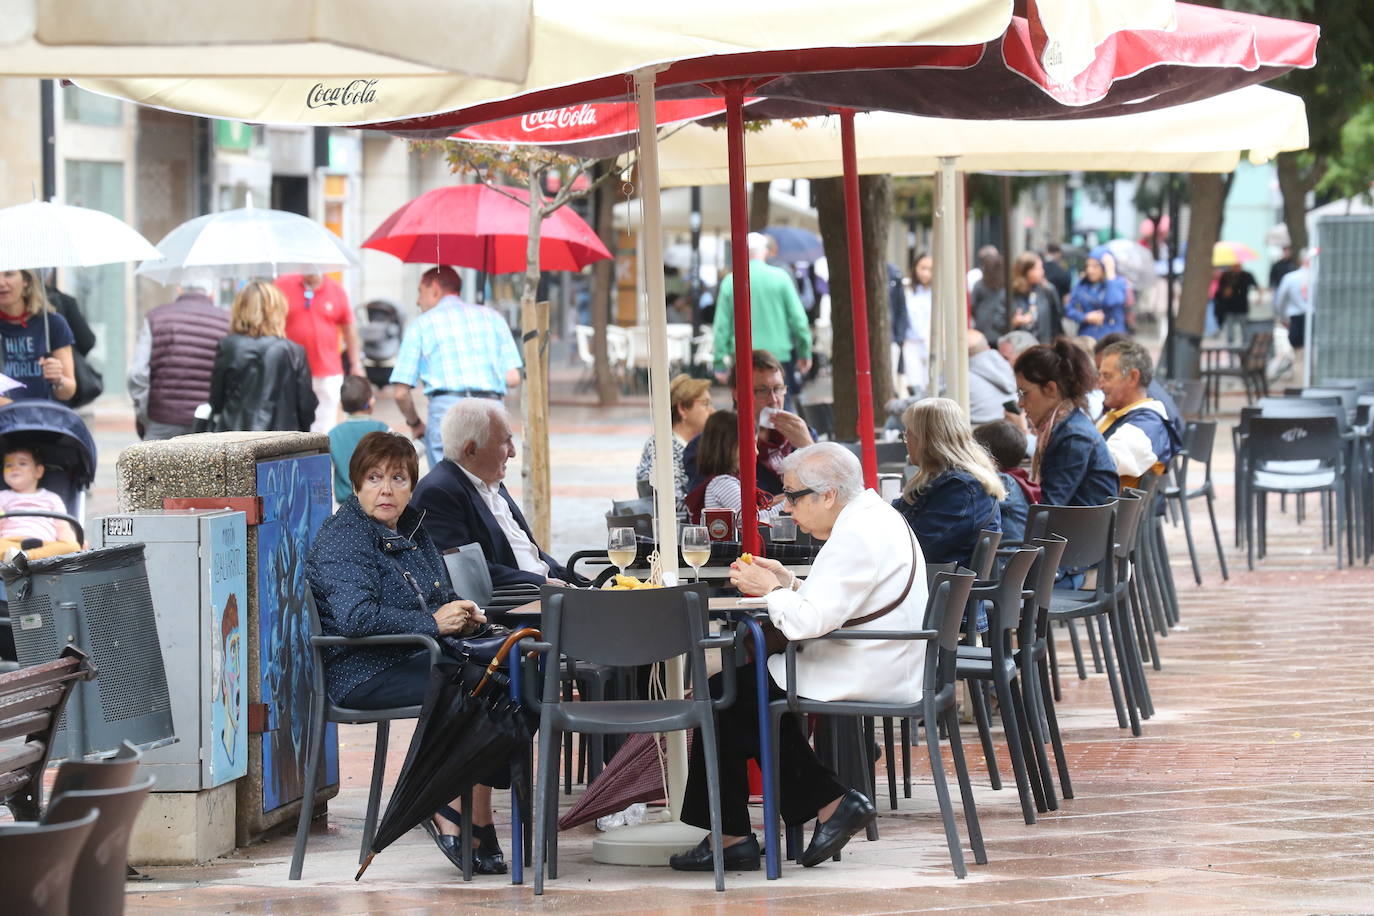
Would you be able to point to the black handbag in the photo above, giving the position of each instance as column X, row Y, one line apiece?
column 90, row 384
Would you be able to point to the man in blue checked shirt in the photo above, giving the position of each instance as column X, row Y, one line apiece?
column 456, row 350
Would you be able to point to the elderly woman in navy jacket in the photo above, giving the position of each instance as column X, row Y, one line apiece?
column 374, row 571
column 956, row 491
column 1072, row 463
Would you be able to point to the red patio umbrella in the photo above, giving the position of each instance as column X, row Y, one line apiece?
column 473, row 225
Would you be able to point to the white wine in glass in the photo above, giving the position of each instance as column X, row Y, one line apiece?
column 696, row 547
column 622, row 547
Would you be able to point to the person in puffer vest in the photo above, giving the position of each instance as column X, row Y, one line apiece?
column 174, row 357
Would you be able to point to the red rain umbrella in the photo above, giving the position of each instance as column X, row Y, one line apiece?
column 634, row 774
column 472, row 225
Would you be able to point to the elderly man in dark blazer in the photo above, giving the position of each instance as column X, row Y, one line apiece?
column 465, row 502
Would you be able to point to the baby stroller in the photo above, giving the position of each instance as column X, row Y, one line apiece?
column 379, row 327
column 67, row 451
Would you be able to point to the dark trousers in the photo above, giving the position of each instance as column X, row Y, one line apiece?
column 805, row 783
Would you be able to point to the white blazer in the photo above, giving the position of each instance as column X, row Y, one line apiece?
column 861, row 569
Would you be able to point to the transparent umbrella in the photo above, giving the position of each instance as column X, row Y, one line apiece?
column 44, row 234
column 249, row 242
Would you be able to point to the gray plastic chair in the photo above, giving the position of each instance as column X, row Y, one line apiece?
column 104, row 858
column 37, row 862
column 936, row 706
column 640, row 506
column 1198, row 441
column 1316, row 439
column 623, row 629
column 108, row 773
column 323, row 710
column 471, row 579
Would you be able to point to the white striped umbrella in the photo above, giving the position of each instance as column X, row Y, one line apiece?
column 41, row 234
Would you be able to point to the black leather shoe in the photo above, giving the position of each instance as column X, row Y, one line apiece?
column 487, row 858
column 854, row 813
column 743, row 856
column 448, row 845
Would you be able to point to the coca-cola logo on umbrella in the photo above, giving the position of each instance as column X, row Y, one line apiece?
column 558, row 118
column 355, row 92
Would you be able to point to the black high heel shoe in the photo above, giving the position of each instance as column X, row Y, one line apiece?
column 487, row 858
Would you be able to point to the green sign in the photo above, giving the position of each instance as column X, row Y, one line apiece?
column 233, row 135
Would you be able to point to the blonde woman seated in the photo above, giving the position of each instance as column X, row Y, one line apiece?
column 718, row 465
column 956, row 491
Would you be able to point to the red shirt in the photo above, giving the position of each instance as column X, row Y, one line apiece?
column 317, row 327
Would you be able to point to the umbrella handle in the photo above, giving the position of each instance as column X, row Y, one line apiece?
column 362, row 868
column 500, row 657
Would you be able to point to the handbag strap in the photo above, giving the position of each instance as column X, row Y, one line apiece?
column 906, row 590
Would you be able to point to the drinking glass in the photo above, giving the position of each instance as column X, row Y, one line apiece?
column 696, row 548
column 784, row 528
column 621, row 546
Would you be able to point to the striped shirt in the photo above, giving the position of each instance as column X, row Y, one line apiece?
column 29, row 526
column 456, row 346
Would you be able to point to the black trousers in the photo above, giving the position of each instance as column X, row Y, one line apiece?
column 806, row 784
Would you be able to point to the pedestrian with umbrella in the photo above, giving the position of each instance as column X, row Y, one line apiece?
column 374, row 571
column 38, row 342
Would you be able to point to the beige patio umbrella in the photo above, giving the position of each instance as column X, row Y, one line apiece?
column 308, row 40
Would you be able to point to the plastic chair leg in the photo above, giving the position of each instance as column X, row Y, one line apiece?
column 956, row 750
column 374, row 794
column 1188, row 535
column 708, row 747
column 312, row 770
column 889, row 758
column 1077, row 650
column 1090, row 631
column 1216, row 535
column 906, row 758
column 1009, row 709
column 937, row 777
column 546, row 788
column 1035, row 728
column 980, row 717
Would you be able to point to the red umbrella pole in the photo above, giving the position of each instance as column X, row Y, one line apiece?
column 744, row 337
column 858, row 294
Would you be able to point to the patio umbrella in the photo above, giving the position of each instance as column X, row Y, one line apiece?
column 795, row 244
column 247, row 242
column 473, row 225
column 42, row 234
column 461, row 739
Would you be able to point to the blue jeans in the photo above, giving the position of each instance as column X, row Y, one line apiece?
column 434, row 420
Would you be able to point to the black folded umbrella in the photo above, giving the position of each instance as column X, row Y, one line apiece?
column 465, row 736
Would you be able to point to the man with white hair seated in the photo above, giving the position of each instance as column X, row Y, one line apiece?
column 464, row 501
column 777, row 322
column 870, row 574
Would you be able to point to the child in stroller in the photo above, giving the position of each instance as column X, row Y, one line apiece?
column 38, row 536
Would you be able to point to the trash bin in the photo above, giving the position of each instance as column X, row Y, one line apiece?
column 98, row 600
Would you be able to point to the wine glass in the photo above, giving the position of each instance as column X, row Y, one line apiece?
column 696, row 548
column 621, row 546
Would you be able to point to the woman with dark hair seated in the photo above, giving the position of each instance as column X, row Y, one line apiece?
column 1071, row 462
column 718, row 464
column 955, row 492
column 374, row 571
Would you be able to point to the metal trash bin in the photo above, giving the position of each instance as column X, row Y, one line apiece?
column 98, row 600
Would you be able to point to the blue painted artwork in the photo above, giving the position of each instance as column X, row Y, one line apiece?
column 296, row 499
column 228, row 650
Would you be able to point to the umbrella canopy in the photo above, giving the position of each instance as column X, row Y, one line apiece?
column 248, row 242
column 795, row 244
column 1203, row 136
column 309, row 40
column 635, row 774
column 44, row 234
column 473, row 225
column 1228, row 254
column 1134, row 262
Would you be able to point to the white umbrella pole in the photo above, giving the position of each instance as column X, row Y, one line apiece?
column 651, row 844
column 949, row 283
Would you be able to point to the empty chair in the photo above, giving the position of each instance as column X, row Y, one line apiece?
column 1315, row 439
column 640, row 506
column 104, row 856
column 467, row 569
column 1188, row 395
column 1198, row 441
column 38, row 862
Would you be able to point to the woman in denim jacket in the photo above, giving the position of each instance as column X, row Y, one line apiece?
column 1071, row 462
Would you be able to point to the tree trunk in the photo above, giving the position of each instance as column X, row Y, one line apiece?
column 1294, row 188
column 758, row 205
column 1206, row 197
column 603, row 282
column 875, row 209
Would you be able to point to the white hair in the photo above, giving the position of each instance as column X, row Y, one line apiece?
column 470, row 420
column 827, row 467
column 758, row 244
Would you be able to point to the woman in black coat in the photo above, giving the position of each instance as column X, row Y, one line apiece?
column 261, row 380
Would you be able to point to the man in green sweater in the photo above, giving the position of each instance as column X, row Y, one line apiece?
column 778, row 320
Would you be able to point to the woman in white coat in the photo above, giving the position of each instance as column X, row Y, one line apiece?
column 869, row 575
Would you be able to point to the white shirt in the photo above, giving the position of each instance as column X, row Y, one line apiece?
column 526, row 554
column 861, row 569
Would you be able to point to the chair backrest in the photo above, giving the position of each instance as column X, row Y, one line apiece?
column 1294, row 439
column 38, row 862
column 1047, row 567
column 985, row 553
column 31, row 703
column 104, row 855
column 1198, row 441
column 1089, row 530
column 640, row 506
column 944, row 613
column 626, row 628
column 468, row 573
column 1347, row 397
column 891, row 452
column 642, row 523
column 585, row 333
column 1257, row 351
column 819, row 416
column 312, row 616
column 1006, row 598
column 933, row 571
column 1130, row 512
column 110, row 773
column 1188, row 394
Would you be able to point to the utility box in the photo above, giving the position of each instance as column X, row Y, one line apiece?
column 282, row 482
column 198, row 577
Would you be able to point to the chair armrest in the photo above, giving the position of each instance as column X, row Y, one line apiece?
column 790, row 659
column 727, row 644
column 530, row 653
column 385, row 639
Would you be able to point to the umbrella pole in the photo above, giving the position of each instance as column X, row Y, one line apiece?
column 744, row 334
column 949, row 283
column 858, row 293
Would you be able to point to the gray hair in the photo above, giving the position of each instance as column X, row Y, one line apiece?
column 1131, row 355
column 1017, row 342
column 757, row 243
column 470, row 420
column 827, row 467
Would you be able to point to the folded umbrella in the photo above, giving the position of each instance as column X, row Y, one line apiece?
column 634, row 774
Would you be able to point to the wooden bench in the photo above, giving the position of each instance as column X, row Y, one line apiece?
column 31, row 704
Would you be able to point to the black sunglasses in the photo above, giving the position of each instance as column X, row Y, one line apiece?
column 793, row 495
